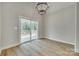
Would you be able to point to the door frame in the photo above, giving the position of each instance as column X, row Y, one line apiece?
column 19, row 29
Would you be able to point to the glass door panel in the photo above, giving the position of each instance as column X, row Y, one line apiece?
column 29, row 30
column 25, row 30
column 34, row 30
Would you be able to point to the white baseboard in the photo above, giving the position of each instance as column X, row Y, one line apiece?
column 0, row 52
column 60, row 41
column 45, row 37
column 77, row 50
column 10, row 46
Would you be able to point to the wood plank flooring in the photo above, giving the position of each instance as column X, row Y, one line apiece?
column 42, row 47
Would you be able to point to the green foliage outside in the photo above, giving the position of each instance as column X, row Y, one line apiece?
column 26, row 26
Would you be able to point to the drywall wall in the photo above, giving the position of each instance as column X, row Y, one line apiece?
column 11, row 13
column 0, row 24
column 77, row 29
column 0, row 27
column 57, row 25
column 60, row 25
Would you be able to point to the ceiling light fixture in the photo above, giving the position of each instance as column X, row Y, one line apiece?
column 42, row 7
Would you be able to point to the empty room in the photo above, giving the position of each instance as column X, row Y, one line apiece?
column 39, row 29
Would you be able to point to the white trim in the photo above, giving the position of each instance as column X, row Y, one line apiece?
column 76, row 28
column 60, row 41
column 10, row 46
column 0, row 52
column 77, row 50
column 19, row 29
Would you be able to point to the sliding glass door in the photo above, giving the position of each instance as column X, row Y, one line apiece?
column 34, row 30
column 25, row 30
column 29, row 30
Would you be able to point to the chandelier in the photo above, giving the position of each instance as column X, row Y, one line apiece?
column 42, row 7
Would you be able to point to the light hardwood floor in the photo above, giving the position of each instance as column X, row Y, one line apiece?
column 42, row 47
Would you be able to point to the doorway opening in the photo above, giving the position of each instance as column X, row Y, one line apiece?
column 29, row 30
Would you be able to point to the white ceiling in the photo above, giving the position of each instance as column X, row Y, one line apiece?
column 55, row 6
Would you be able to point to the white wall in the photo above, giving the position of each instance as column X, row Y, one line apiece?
column 0, row 24
column 60, row 25
column 77, row 29
column 11, row 13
